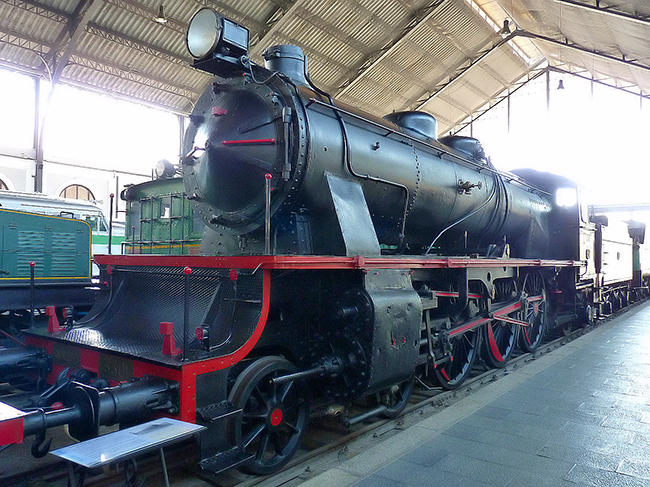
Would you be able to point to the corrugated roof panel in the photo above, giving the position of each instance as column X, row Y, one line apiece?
column 372, row 97
column 32, row 26
column 430, row 39
column 482, row 82
column 390, row 79
column 18, row 57
column 503, row 65
column 162, row 36
column 390, row 12
column 344, row 40
column 632, row 39
column 458, row 22
column 446, row 113
column 302, row 32
column 370, row 35
column 425, row 68
column 331, row 13
column 257, row 11
column 468, row 96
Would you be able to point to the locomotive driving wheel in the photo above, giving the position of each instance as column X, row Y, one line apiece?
column 274, row 417
column 452, row 373
column 500, row 337
column 533, row 311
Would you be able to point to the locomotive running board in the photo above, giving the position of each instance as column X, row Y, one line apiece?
column 225, row 460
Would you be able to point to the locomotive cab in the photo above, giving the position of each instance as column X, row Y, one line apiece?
column 568, row 221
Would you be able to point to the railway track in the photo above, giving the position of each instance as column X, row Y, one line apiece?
column 326, row 443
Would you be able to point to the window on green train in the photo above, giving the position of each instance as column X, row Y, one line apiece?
column 92, row 221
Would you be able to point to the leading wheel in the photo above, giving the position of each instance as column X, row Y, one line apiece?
column 274, row 416
column 500, row 337
column 533, row 311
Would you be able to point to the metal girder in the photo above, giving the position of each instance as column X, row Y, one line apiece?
column 598, row 81
column 620, row 208
column 269, row 31
column 41, row 10
column 95, row 29
column 144, row 80
column 18, row 39
column 419, row 18
column 136, row 45
column 19, row 68
column 472, row 63
column 523, row 33
column 454, row 103
column 74, row 27
column 140, row 10
column 86, row 9
column 536, row 72
column 606, row 11
column 332, row 31
column 40, row 48
column 566, row 43
column 228, row 11
column 158, row 105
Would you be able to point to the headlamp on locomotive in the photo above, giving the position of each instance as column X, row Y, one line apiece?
column 212, row 39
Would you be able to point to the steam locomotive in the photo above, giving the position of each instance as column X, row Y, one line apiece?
column 343, row 256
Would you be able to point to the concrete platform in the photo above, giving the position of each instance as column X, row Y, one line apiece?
column 577, row 416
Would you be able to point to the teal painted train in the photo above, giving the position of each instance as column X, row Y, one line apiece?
column 58, row 248
column 68, row 208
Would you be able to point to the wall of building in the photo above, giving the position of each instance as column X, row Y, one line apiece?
column 18, row 175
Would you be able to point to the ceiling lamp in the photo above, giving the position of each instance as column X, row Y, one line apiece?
column 161, row 18
column 505, row 30
column 560, row 85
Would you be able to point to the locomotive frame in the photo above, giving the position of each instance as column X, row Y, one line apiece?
column 387, row 321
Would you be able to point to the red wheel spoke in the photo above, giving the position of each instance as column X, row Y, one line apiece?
column 496, row 353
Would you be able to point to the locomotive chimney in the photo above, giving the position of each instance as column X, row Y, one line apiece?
column 288, row 60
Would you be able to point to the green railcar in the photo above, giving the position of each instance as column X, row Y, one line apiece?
column 60, row 250
column 160, row 219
